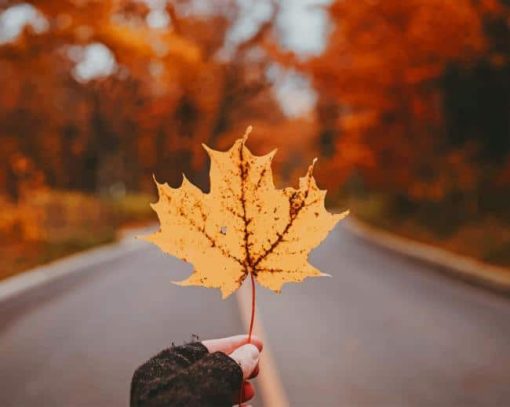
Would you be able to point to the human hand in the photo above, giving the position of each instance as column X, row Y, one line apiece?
column 245, row 354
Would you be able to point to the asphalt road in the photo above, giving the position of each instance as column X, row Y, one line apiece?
column 384, row 331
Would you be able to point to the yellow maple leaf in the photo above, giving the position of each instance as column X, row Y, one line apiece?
column 244, row 224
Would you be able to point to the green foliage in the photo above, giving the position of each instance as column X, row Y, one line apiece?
column 53, row 224
column 131, row 208
column 482, row 236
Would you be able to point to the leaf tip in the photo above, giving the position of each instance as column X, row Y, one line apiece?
column 343, row 214
column 182, row 283
column 311, row 167
column 248, row 131
column 147, row 238
column 155, row 180
column 184, row 180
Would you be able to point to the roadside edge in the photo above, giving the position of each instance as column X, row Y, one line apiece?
column 460, row 266
column 25, row 281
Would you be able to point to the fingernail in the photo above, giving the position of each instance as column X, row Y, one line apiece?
column 251, row 350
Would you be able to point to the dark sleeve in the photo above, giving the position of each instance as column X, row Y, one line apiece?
column 186, row 376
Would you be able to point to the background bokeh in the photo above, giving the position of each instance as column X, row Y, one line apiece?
column 406, row 104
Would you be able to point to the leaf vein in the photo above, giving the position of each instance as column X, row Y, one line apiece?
column 201, row 229
column 293, row 214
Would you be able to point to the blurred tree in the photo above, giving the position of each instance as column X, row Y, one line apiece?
column 378, row 81
column 477, row 97
column 410, row 91
column 98, row 94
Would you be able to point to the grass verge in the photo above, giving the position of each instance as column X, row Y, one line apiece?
column 55, row 224
column 485, row 237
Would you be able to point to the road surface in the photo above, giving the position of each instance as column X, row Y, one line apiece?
column 384, row 331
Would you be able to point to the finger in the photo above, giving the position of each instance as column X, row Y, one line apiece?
column 230, row 344
column 255, row 372
column 248, row 393
column 247, row 357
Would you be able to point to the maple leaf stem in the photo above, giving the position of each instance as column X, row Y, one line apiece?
column 250, row 332
column 252, row 320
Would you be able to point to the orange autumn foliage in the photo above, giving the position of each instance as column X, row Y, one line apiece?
column 165, row 92
column 383, row 96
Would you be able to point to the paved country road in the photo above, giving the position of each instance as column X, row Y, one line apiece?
column 384, row 331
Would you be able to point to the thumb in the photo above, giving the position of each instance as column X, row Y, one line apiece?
column 247, row 357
